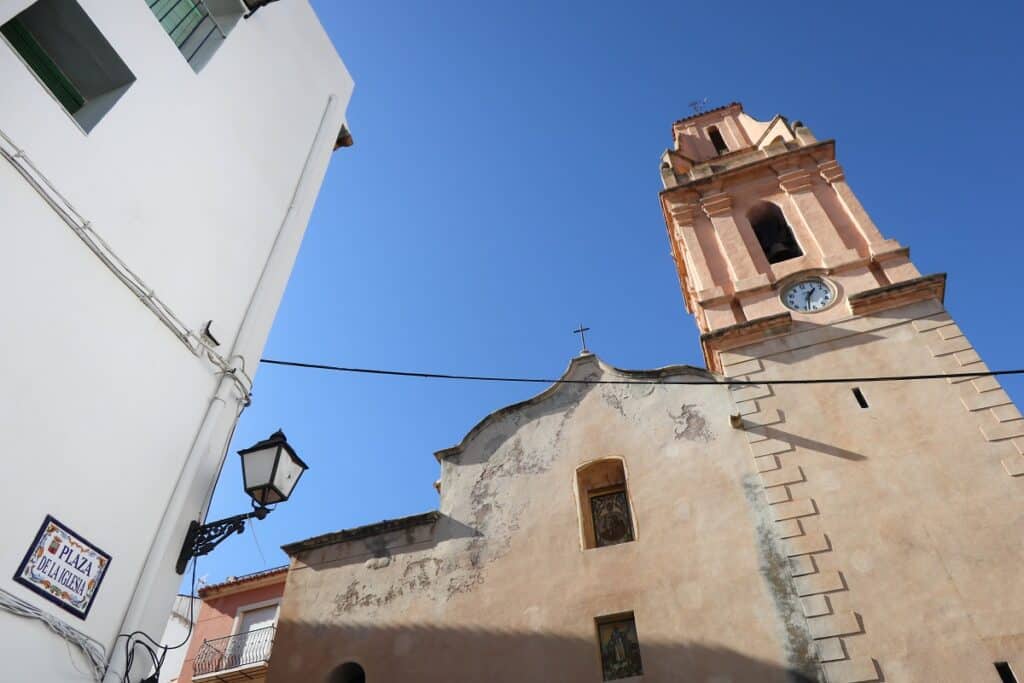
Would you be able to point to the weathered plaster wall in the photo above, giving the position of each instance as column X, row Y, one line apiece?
column 902, row 520
column 500, row 589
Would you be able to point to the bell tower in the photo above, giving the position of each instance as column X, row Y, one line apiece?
column 896, row 504
column 754, row 206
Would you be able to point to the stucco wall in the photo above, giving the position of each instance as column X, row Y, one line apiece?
column 902, row 519
column 500, row 588
column 189, row 178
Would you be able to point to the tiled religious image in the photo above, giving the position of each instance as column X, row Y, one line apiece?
column 620, row 649
column 611, row 518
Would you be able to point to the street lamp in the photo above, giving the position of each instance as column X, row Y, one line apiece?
column 253, row 5
column 270, row 471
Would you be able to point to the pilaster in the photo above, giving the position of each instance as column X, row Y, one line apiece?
column 798, row 184
column 745, row 275
column 683, row 216
column 878, row 247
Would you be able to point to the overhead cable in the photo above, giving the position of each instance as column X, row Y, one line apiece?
column 708, row 381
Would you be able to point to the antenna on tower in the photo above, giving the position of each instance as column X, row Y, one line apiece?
column 698, row 106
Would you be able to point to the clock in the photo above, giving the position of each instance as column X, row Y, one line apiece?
column 809, row 295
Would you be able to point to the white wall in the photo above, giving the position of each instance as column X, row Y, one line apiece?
column 189, row 178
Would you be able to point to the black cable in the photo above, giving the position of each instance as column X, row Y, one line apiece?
column 131, row 640
column 710, row 381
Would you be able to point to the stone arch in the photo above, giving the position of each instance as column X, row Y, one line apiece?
column 349, row 672
column 773, row 232
column 604, row 506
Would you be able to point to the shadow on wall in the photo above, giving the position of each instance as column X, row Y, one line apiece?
column 311, row 652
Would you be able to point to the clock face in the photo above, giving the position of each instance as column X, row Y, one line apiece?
column 808, row 296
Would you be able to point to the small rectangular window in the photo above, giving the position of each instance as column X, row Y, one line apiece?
column 1006, row 674
column 70, row 57
column 620, row 647
column 197, row 27
column 859, row 395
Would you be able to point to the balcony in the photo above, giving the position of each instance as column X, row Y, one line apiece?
column 243, row 656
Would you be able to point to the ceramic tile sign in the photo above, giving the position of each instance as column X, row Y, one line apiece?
column 63, row 567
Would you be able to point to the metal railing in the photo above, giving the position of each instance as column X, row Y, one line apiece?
column 241, row 649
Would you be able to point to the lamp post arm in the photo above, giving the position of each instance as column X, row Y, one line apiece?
column 201, row 539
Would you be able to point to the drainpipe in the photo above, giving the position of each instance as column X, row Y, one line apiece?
column 200, row 471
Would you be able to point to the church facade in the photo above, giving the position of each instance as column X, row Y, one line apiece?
column 673, row 524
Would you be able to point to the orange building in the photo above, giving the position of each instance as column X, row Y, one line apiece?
column 234, row 631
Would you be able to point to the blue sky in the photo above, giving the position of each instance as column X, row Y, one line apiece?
column 503, row 188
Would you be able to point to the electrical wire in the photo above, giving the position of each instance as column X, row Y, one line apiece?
column 93, row 651
column 131, row 640
column 693, row 382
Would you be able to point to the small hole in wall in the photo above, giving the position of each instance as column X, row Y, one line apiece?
column 859, row 395
column 1005, row 673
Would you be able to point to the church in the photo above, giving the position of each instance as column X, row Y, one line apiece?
column 722, row 524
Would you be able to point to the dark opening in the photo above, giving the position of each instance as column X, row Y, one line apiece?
column 1005, row 673
column 349, row 672
column 717, row 141
column 773, row 233
column 59, row 43
column 859, row 395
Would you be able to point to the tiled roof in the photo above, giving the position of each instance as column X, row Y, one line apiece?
column 705, row 113
column 238, row 580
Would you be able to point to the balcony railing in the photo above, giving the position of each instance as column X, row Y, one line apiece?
column 241, row 649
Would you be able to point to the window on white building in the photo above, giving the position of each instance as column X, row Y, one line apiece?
column 67, row 53
column 197, row 27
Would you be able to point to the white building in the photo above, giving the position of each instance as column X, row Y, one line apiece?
column 160, row 159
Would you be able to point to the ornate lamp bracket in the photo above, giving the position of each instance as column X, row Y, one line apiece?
column 201, row 539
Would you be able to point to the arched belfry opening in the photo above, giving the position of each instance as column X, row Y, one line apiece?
column 717, row 140
column 349, row 672
column 773, row 233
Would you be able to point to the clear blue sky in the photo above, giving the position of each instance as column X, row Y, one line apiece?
column 503, row 188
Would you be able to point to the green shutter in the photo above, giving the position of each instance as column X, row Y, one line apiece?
column 178, row 17
column 44, row 67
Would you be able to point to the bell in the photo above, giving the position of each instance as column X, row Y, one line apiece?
column 780, row 251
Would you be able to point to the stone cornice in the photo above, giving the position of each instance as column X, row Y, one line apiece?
column 717, row 204
column 831, row 171
column 796, row 180
column 899, row 294
column 742, row 334
column 376, row 529
column 826, row 147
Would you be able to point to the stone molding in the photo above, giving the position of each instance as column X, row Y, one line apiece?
column 741, row 334
column 831, row 171
column 899, row 294
column 719, row 204
column 797, row 180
